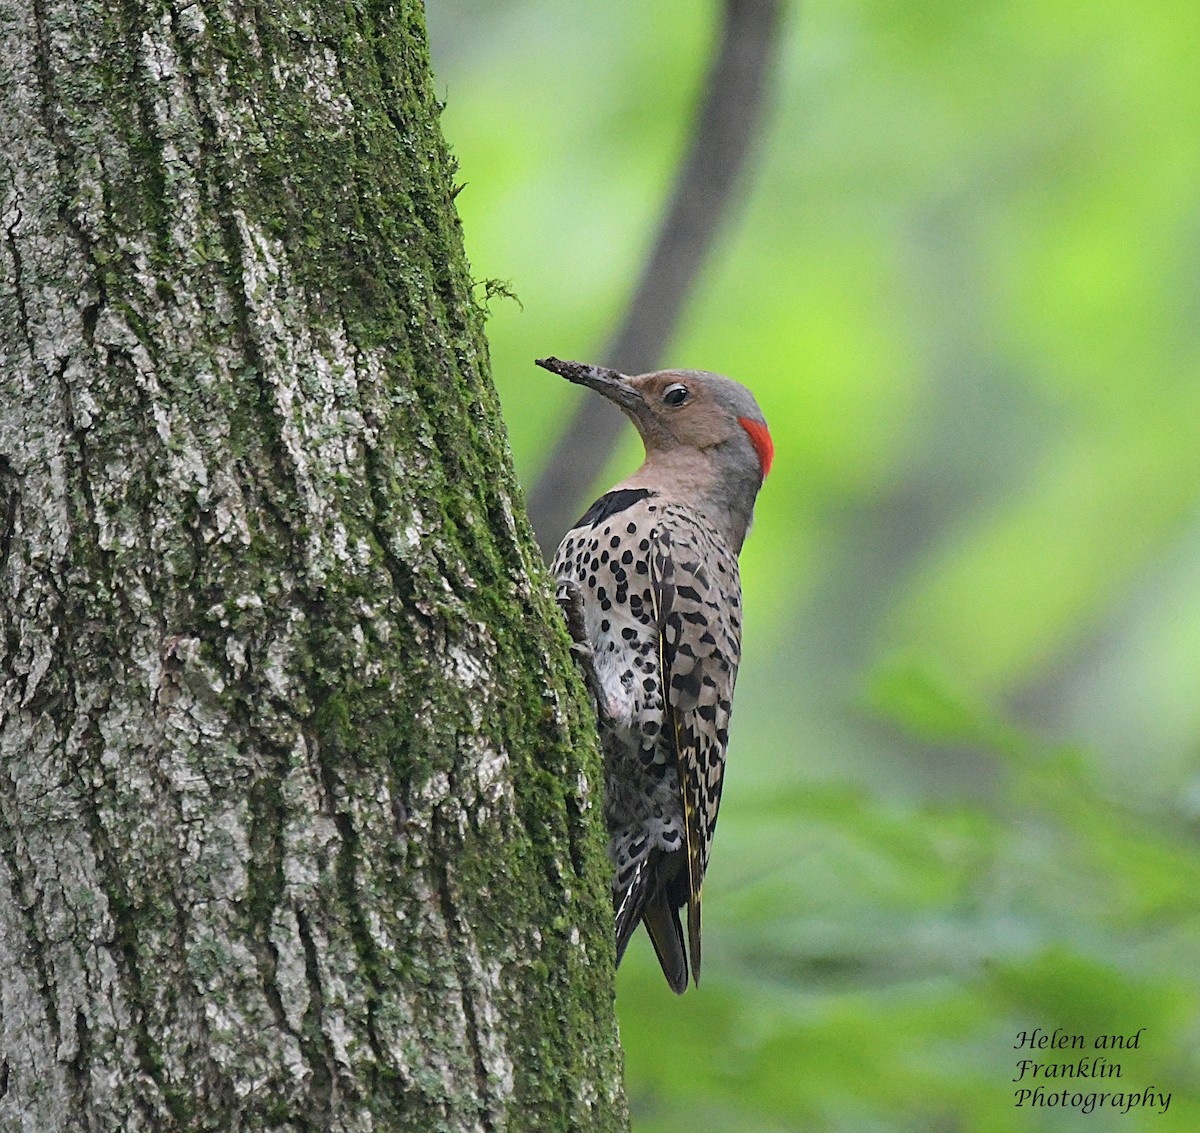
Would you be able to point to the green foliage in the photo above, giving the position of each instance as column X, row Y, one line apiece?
column 963, row 798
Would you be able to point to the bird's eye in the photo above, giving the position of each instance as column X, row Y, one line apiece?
column 676, row 395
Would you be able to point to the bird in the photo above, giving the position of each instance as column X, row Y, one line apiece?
column 648, row 582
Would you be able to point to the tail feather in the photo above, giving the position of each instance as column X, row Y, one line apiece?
column 648, row 900
column 627, row 907
column 666, row 933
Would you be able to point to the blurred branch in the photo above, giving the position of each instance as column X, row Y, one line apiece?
column 725, row 127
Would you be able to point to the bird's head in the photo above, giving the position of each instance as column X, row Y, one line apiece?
column 684, row 409
column 703, row 432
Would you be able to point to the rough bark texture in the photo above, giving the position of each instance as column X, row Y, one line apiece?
column 297, row 818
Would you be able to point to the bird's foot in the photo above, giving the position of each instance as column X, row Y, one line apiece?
column 570, row 601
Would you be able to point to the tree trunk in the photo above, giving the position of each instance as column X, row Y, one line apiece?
column 298, row 792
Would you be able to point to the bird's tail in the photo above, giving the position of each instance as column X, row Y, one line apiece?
column 628, row 906
column 662, row 923
column 646, row 901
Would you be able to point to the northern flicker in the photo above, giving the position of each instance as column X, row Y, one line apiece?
column 648, row 579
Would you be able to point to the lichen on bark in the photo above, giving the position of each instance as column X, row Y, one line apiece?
column 296, row 782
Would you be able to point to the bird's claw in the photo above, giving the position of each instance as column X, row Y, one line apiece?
column 570, row 601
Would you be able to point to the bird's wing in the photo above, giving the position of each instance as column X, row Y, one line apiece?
column 697, row 607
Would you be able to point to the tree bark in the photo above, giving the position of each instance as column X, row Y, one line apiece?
column 298, row 822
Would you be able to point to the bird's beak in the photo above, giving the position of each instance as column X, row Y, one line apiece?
column 608, row 383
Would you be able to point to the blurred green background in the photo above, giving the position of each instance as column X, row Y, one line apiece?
column 963, row 796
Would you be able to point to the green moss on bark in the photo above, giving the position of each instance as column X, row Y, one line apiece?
column 342, row 785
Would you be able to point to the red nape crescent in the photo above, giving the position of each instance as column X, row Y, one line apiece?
column 760, row 438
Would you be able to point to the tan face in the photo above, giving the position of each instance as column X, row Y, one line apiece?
column 687, row 410
column 680, row 408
